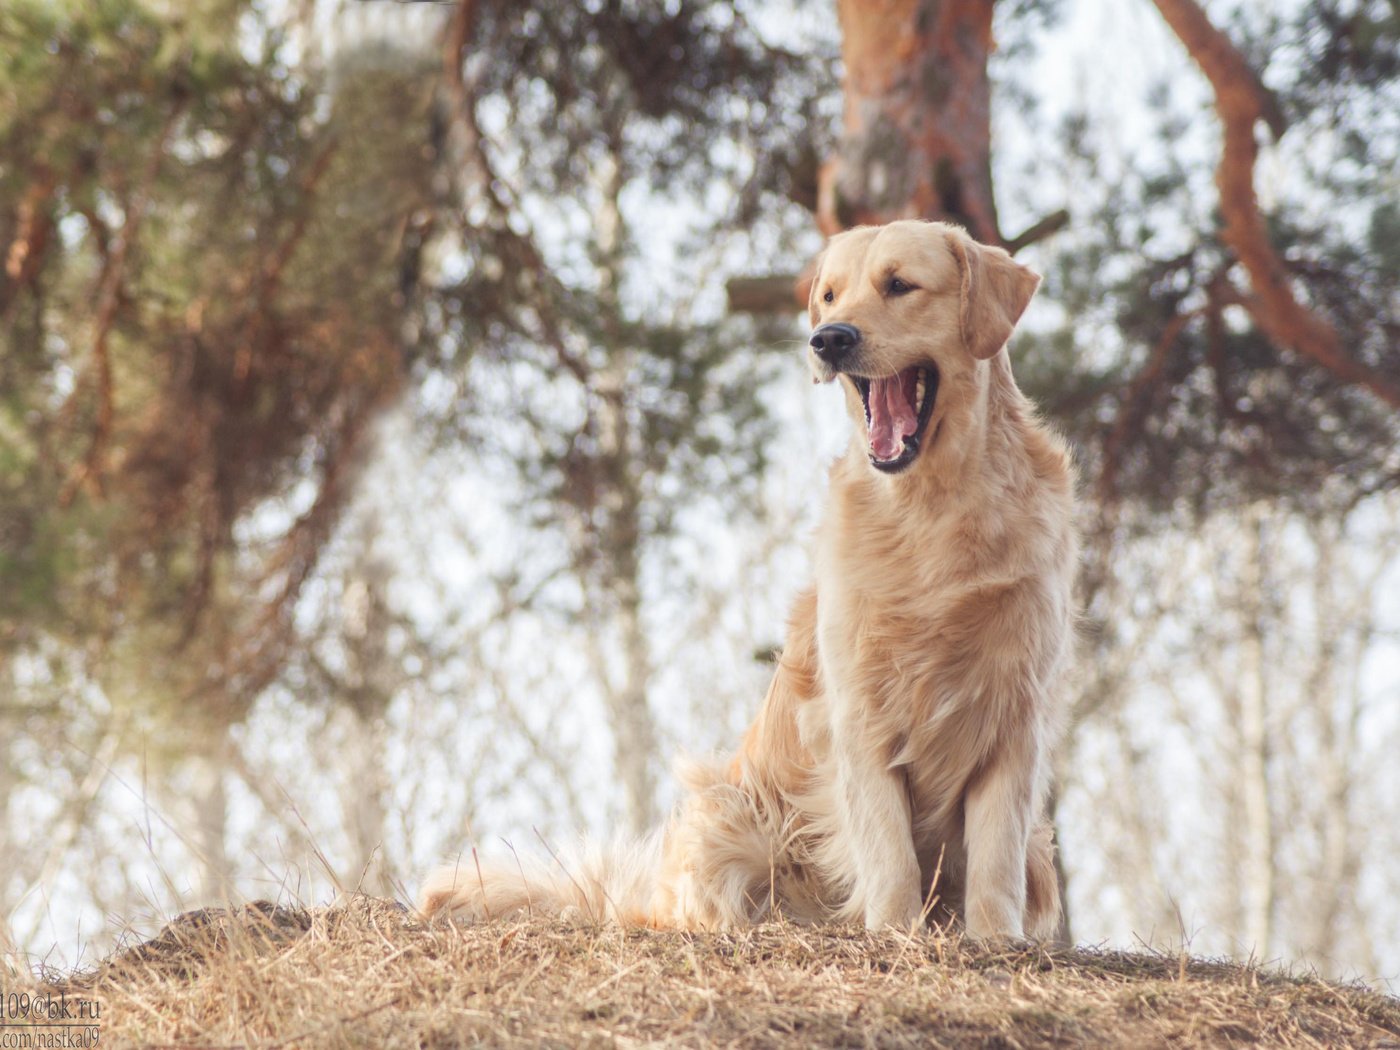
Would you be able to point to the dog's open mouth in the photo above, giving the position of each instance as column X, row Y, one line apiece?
column 897, row 410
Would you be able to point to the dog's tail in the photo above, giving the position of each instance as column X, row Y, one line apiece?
column 592, row 883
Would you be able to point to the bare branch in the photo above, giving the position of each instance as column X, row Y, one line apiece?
column 462, row 105
column 787, row 293
column 1144, row 381
column 1046, row 227
column 272, row 272
column 774, row 294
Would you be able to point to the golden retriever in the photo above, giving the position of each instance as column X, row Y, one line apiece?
column 899, row 763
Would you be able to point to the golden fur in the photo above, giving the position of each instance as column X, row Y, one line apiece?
column 899, row 762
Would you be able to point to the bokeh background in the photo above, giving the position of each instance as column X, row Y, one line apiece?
column 405, row 440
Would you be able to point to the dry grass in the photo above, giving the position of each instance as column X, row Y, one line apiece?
column 368, row 975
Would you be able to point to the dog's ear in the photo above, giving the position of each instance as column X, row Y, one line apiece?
column 996, row 290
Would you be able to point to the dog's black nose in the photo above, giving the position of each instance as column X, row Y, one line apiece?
column 834, row 341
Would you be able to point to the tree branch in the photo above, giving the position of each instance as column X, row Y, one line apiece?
column 787, row 293
column 1241, row 101
column 108, row 299
column 277, row 264
column 1142, row 383
column 33, row 225
column 1051, row 224
column 462, row 105
column 774, row 294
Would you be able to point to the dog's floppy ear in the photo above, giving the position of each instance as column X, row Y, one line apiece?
column 995, row 292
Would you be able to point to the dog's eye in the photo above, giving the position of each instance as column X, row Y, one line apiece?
column 829, row 296
column 898, row 287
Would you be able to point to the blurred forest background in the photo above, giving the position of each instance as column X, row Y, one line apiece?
column 405, row 440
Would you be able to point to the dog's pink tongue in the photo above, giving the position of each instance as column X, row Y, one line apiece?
column 891, row 414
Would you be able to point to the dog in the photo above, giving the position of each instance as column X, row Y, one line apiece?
column 898, row 767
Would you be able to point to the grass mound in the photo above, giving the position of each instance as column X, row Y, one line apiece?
column 368, row 974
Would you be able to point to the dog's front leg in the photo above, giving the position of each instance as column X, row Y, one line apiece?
column 873, row 804
column 998, row 809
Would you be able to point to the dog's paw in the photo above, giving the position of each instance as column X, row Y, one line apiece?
column 904, row 913
column 1002, row 936
column 999, row 942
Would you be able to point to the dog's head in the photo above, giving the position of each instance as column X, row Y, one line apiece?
column 906, row 315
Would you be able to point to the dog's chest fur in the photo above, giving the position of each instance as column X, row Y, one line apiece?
column 931, row 625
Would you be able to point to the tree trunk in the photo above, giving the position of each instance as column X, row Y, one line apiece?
column 1338, row 723
column 209, row 808
column 371, row 678
column 618, row 598
column 363, row 806
column 619, row 531
column 917, row 135
column 634, row 729
column 1254, row 757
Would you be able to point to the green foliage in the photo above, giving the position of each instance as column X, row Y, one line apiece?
column 201, row 308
